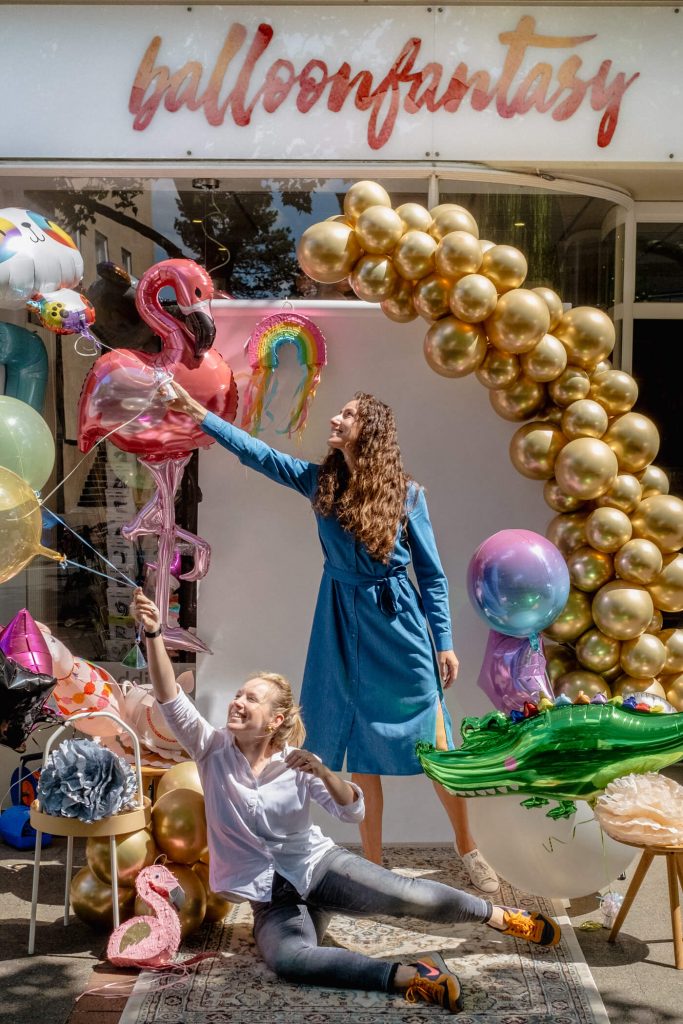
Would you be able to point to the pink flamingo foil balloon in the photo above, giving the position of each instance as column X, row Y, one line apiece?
column 125, row 382
column 150, row 940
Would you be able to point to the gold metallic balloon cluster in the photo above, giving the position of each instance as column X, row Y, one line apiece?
column 179, row 832
column 547, row 369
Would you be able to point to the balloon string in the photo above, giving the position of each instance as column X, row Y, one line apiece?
column 96, row 572
column 94, row 550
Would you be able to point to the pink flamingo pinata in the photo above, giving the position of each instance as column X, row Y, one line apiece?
column 150, row 940
column 122, row 397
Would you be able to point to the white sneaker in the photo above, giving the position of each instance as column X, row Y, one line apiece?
column 482, row 875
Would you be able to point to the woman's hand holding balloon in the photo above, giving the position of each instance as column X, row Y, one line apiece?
column 179, row 400
column 146, row 612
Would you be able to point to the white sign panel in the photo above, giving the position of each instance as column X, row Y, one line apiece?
column 342, row 83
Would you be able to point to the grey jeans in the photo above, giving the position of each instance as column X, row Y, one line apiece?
column 288, row 930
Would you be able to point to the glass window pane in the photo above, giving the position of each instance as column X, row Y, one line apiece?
column 659, row 266
column 658, row 368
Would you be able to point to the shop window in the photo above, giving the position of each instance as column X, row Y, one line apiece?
column 127, row 260
column 101, row 247
column 658, row 367
column 659, row 266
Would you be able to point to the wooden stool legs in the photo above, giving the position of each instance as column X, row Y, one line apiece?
column 674, row 872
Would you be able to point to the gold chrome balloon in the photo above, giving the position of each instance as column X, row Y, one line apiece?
column 567, row 531
column 216, row 906
column 327, row 251
column 520, row 401
column 610, row 674
column 361, row 196
column 193, row 908
column 340, row 219
column 558, row 500
column 414, row 255
column 485, row 245
column 638, row 561
column 414, row 217
column 92, row 900
column 660, row 519
column 634, row 439
column 378, row 229
column 454, row 349
column 518, row 322
column 572, row 684
column 586, row 467
column 626, row 685
column 574, row 619
column 598, row 652
column 653, row 480
column 656, row 622
column 184, row 775
column 673, row 644
column 558, row 660
column 584, row 418
column 473, row 298
column 589, row 569
column 667, row 587
column 534, row 448
column 546, row 360
column 673, row 688
column 588, row 335
column 134, row 851
column 374, row 278
column 430, row 297
column 499, row 369
column 608, row 529
column 452, row 218
column 458, row 253
column 615, row 390
column 643, row 657
column 505, row 266
column 400, row 307
column 554, row 304
column 572, row 385
column 622, row 610
column 179, row 825
column 624, row 493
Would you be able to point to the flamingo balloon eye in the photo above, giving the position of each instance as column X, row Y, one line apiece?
column 198, row 292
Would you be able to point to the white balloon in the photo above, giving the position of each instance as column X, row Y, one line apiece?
column 36, row 255
column 558, row 859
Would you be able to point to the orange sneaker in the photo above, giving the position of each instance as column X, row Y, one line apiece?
column 434, row 983
column 531, row 925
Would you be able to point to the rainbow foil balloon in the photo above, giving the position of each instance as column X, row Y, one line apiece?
column 285, row 328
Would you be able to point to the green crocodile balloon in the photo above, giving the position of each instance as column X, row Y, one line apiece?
column 564, row 754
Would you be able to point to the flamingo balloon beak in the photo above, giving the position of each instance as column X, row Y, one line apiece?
column 177, row 897
column 203, row 329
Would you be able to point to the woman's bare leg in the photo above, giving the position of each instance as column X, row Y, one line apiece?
column 371, row 826
column 456, row 809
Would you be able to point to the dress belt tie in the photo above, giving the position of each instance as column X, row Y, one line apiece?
column 387, row 587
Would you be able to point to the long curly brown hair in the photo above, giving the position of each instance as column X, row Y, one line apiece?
column 370, row 502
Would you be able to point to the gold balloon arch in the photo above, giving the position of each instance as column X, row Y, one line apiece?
column 548, row 370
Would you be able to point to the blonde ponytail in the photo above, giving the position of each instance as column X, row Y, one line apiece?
column 291, row 732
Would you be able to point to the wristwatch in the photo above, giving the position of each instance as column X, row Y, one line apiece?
column 151, row 636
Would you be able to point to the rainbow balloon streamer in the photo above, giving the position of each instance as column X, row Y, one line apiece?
column 266, row 339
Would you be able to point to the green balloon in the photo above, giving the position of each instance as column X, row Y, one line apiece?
column 27, row 447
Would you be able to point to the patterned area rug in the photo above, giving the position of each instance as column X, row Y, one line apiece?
column 504, row 981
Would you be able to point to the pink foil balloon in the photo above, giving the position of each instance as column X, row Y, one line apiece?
column 23, row 642
column 513, row 673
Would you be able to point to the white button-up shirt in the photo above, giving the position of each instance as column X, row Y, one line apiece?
column 255, row 824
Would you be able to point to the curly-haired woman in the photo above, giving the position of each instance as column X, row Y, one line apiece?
column 373, row 679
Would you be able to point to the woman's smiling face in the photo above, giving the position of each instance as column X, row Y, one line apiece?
column 250, row 712
column 345, row 427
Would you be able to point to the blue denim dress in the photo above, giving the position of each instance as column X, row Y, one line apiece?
column 371, row 687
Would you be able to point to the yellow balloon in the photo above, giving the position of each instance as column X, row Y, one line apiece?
column 634, row 439
column 452, row 218
column 498, row 370
column 505, row 266
column 92, row 900
column 574, row 619
column 622, row 610
column 179, row 825
column 399, row 307
column 667, row 587
column 361, row 196
column 660, row 519
column 586, row 467
column 573, row 684
column 534, row 448
column 378, row 229
column 608, row 529
column 589, row 569
column 643, row 657
column 624, row 493
column 454, row 349
column 598, row 652
column 414, row 217
column 134, row 852
column 588, row 335
column 653, row 480
column 430, row 297
column 184, row 775
column 615, row 390
column 572, row 385
column 520, row 401
column 625, row 685
column 473, row 298
column 554, row 304
column 673, row 644
column 458, row 253
column 518, row 322
column 216, row 906
column 193, row 908
column 673, row 688
column 584, row 418
column 546, row 360
column 638, row 561
column 567, row 531
column 374, row 278
column 21, row 526
column 558, row 499
column 558, row 660
column 327, row 251
column 414, row 255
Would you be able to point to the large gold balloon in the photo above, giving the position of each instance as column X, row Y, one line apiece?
column 558, row 500
column 184, row 775
column 673, row 644
column 520, row 401
column 638, row 561
column 473, row 298
column 327, row 251
column 518, row 322
column 534, row 448
column 505, row 266
column 572, row 385
column 589, row 569
column 134, row 852
column 598, row 652
column 574, row 619
column 643, row 657
column 498, row 370
column 615, row 390
column 558, row 660
column 454, row 349
column 584, row 418
column 361, row 196
column 653, row 480
column 567, row 531
column 430, row 297
column 608, row 529
column 625, row 685
column 634, row 439
column 588, row 335
column 458, row 253
column 414, row 255
column 660, row 519
column 452, row 218
column 21, row 526
column 673, row 689
column 586, row 467
column 572, row 684
column 378, row 229
column 414, row 217
column 624, row 493
column 92, row 900
column 546, row 360
column 400, row 307
column 374, row 278
column 179, row 825
column 622, row 610
column 216, row 906
column 554, row 304
column 193, row 908
column 667, row 587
